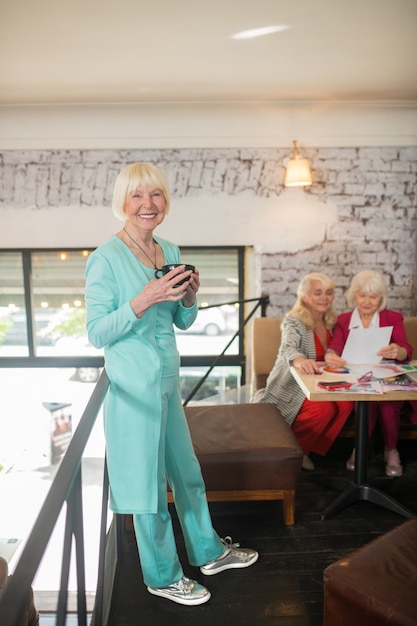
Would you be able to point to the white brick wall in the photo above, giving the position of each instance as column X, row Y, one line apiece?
column 374, row 190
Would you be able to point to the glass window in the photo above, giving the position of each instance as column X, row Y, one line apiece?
column 219, row 284
column 13, row 326
column 219, row 383
column 55, row 303
column 58, row 296
column 212, row 334
column 42, row 311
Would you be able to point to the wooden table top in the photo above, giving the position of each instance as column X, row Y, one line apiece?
column 308, row 382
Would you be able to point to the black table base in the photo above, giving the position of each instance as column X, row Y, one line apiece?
column 360, row 489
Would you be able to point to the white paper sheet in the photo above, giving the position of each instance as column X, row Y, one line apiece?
column 363, row 344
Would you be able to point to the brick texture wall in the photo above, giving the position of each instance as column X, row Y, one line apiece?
column 374, row 190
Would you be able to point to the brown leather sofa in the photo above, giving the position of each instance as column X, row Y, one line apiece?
column 246, row 452
column 266, row 339
column 376, row 584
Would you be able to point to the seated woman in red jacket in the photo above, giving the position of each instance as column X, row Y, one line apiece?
column 367, row 296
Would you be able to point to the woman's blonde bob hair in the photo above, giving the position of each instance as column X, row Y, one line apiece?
column 138, row 176
column 301, row 310
column 370, row 282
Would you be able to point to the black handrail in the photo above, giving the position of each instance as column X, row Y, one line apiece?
column 66, row 487
column 262, row 302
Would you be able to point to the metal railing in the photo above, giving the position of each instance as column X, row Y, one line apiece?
column 67, row 488
column 261, row 302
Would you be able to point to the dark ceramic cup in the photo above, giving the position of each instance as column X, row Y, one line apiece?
column 170, row 266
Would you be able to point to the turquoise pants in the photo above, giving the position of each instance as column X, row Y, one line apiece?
column 154, row 532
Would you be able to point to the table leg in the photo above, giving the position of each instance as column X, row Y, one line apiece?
column 360, row 490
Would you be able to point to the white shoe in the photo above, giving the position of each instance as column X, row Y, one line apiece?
column 308, row 463
column 185, row 591
column 350, row 463
column 393, row 465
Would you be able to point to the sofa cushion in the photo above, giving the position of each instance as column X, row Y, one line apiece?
column 376, row 584
column 244, row 446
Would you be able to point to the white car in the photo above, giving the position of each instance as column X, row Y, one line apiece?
column 80, row 346
column 212, row 322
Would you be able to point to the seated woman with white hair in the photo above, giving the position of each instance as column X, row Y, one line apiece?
column 367, row 296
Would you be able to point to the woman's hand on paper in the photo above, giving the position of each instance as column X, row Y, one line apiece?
column 334, row 360
column 393, row 352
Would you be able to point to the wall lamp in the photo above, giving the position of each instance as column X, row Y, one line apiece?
column 298, row 172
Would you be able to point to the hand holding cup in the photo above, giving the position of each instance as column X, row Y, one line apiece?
column 170, row 266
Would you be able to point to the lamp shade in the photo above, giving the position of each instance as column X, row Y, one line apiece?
column 298, row 172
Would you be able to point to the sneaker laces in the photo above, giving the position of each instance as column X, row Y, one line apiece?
column 233, row 547
column 228, row 542
column 184, row 584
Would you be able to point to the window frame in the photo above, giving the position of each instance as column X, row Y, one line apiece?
column 32, row 360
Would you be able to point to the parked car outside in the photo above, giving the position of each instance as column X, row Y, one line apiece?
column 80, row 346
column 213, row 322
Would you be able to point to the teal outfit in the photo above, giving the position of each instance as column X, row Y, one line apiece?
column 147, row 436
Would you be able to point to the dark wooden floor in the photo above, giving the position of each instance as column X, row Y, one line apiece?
column 285, row 586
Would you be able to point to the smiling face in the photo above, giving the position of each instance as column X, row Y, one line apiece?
column 145, row 208
column 367, row 303
column 318, row 298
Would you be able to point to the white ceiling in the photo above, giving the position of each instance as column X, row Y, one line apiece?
column 109, row 51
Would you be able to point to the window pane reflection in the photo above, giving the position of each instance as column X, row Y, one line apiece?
column 58, row 288
column 221, row 380
column 13, row 327
column 219, row 284
column 58, row 294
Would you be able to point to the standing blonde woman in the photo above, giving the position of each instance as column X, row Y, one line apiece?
column 132, row 315
column 306, row 334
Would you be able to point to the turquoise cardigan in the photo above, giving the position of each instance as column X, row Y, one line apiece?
column 133, row 350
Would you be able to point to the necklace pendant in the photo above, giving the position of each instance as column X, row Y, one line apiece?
column 153, row 262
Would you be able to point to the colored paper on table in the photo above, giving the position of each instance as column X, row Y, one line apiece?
column 342, row 369
column 363, row 344
column 379, row 371
column 374, row 386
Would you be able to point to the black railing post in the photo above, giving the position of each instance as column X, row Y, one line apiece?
column 99, row 600
column 262, row 301
column 65, row 567
column 73, row 528
column 78, row 532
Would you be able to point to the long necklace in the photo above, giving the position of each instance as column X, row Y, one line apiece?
column 144, row 251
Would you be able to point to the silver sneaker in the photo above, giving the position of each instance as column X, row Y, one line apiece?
column 232, row 558
column 185, row 591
